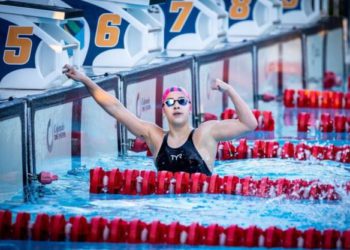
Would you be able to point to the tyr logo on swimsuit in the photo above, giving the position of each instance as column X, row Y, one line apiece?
column 176, row 157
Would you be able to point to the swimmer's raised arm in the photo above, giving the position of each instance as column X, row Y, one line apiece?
column 113, row 106
column 228, row 129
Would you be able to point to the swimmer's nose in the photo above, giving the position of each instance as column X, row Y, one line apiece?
column 176, row 106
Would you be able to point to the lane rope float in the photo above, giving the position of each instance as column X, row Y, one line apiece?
column 144, row 182
column 117, row 230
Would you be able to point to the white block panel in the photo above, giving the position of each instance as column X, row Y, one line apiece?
column 141, row 100
column 52, row 135
column 11, row 165
column 98, row 130
column 211, row 100
column 241, row 77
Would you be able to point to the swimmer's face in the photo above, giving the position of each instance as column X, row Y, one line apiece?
column 177, row 108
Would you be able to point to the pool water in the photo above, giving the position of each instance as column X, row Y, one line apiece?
column 70, row 194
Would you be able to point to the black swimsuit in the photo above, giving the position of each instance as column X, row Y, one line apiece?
column 185, row 158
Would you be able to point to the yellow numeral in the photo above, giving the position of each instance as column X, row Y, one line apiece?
column 108, row 32
column 290, row 4
column 240, row 9
column 184, row 9
column 23, row 45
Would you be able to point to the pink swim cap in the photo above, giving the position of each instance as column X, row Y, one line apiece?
column 172, row 89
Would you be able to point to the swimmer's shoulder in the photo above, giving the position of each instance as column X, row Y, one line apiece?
column 204, row 131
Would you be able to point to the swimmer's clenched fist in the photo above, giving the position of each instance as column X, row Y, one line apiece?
column 71, row 72
column 220, row 85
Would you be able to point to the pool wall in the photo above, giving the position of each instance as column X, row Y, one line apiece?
column 59, row 126
column 13, row 147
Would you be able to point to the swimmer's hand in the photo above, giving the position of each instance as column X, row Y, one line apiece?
column 71, row 72
column 220, row 85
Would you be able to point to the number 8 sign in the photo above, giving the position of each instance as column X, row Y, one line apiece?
column 240, row 10
column 249, row 18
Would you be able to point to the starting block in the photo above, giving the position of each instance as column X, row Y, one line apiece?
column 297, row 12
column 116, row 36
column 193, row 25
column 137, row 3
column 36, row 46
column 251, row 18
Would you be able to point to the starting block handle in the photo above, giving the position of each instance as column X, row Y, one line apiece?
column 70, row 46
column 39, row 10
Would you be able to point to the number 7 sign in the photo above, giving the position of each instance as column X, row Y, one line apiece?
column 193, row 24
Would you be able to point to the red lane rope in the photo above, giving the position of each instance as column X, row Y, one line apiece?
column 325, row 124
column 270, row 149
column 133, row 182
column 99, row 229
column 264, row 118
column 316, row 99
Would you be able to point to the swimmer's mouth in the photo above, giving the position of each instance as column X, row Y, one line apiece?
column 177, row 113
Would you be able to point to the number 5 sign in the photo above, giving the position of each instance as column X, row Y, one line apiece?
column 18, row 49
column 18, row 45
column 250, row 18
column 33, row 51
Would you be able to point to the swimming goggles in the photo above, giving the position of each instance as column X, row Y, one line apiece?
column 171, row 102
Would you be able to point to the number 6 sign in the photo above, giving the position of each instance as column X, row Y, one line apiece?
column 115, row 36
